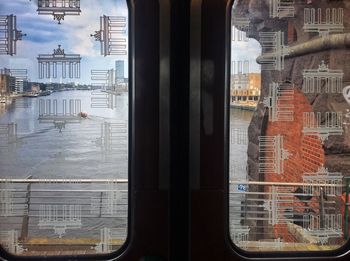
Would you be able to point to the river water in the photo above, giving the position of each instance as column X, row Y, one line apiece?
column 239, row 123
column 78, row 151
column 81, row 150
column 45, row 152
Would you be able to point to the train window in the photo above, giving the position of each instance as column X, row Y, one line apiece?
column 64, row 114
column 289, row 125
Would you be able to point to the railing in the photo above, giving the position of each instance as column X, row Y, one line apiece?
column 96, row 210
column 64, row 211
column 264, row 211
column 347, row 205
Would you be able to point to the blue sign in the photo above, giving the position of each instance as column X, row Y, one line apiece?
column 242, row 188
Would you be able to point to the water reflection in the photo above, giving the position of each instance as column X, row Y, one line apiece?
column 76, row 143
column 239, row 123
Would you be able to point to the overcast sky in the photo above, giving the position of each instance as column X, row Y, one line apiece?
column 246, row 50
column 44, row 35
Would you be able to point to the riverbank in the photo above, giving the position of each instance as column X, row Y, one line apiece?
column 243, row 107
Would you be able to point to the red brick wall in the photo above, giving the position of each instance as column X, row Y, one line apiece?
column 292, row 33
column 307, row 153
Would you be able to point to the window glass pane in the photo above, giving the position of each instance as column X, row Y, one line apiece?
column 289, row 125
column 63, row 126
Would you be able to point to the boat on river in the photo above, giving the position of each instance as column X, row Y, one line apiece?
column 45, row 93
column 31, row 95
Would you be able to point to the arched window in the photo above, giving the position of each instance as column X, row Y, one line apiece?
column 288, row 148
column 64, row 126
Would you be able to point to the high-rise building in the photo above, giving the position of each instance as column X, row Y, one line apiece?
column 119, row 71
column 7, row 84
column 19, row 85
column 3, row 84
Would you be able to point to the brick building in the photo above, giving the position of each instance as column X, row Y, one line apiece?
column 7, row 84
column 313, row 57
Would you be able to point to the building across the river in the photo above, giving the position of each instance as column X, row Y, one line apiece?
column 245, row 90
column 7, row 84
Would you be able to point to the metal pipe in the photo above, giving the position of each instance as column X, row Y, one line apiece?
column 282, row 184
column 68, row 181
column 333, row 41
column 94, row 181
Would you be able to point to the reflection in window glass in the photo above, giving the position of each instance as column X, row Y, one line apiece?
column 63, row 126
column 289, row 126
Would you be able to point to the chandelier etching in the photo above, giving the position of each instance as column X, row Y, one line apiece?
column 324, row 24
column 332, row 180
column 313, row 124
column 50, row 112
column 8, row 134
column 239, row 136
column 60, row 218
column 59, row 8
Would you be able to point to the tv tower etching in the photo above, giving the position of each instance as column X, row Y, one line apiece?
column 278, row 211
column 9, row 35
column 9, row 239
column 281, row 8
column 273, row 154
column 114, row 137
column 48, row 64
column 112, row 35
column 274, row 50
column 240, row 74
column 107, row 236
column 280, row 102
column 106, row 95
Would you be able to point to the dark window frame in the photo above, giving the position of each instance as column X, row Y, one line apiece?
column 341, row 254
column 115, row 254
